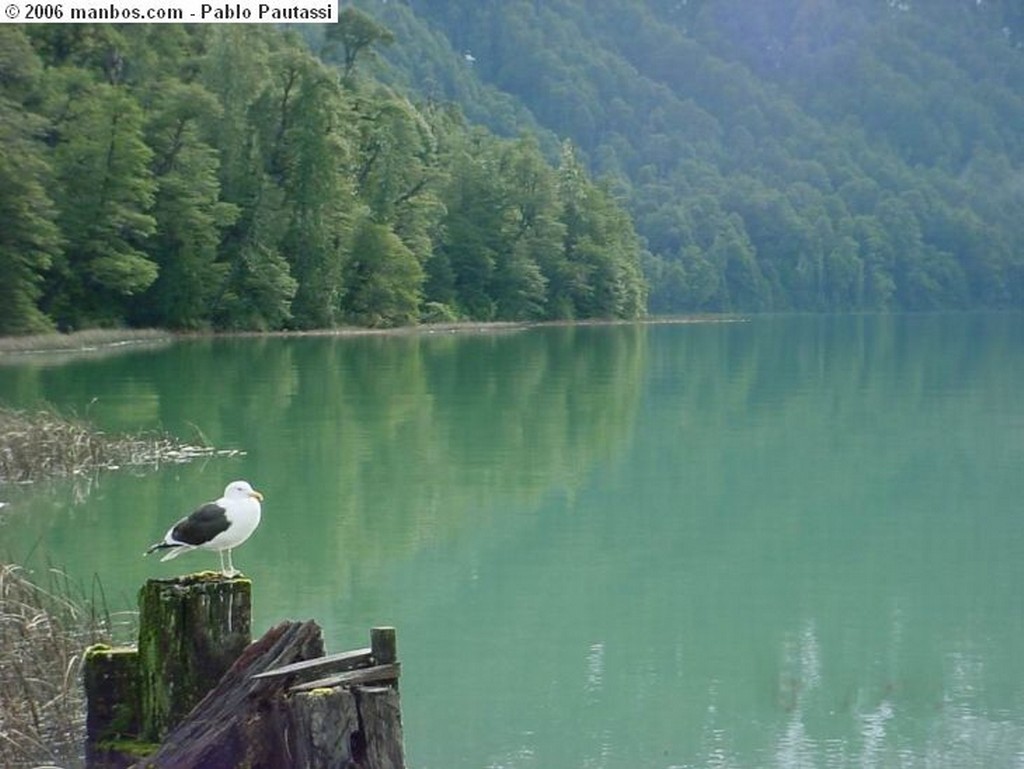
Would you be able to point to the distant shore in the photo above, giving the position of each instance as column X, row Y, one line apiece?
column 105, row 339
column 92, row 339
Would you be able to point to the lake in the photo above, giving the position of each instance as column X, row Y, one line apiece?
column 789, row 542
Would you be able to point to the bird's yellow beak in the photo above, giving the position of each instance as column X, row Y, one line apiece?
column 256, row 495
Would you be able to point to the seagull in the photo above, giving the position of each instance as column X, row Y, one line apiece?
column 222, row 526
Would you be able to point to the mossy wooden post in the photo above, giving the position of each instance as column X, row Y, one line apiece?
column 191, row 630
column 111, row 678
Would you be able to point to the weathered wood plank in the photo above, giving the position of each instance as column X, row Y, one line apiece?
column 375, row 674
column 334, row 663
column 383, row 650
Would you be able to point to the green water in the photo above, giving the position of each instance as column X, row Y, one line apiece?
column 793, row 542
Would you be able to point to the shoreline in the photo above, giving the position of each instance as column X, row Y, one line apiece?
column 96, row 340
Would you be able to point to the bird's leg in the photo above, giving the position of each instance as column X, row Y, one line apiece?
column 221, row 554
column 231, row 572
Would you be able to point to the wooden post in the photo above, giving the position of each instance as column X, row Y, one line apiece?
column 348, row 719
column 191, row 630
column 322, row 728
column 384, row 645
column 111, row 681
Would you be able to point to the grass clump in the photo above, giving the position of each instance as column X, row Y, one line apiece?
column 44, row 444
column 43, row 630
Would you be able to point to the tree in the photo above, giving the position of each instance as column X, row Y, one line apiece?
column 258, row 287
column 745, row 284
column 599, row 273
column 355, row 32
column 29, row 238
column 382, row 278
column 312, row 152
column 533, row 234
column 189, row 214
column 396, row 167
column 471, row 228
column 104, row 193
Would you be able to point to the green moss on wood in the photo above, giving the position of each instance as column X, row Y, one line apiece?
column 111, row 679
column 201, row 577
column 192, row 628
column 108, row 653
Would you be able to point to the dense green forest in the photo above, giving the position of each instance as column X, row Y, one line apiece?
column 457, row 159
column 777, row 155
column 230, row 177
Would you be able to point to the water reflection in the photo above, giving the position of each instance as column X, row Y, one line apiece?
column 793, row 542
column 371, row 446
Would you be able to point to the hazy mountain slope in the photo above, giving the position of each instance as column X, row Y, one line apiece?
column 793, row 154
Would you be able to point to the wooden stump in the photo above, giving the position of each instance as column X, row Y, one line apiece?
column 323, row 728
column 191, row 630
column 218, row 701
column 111, row 681
column 336, row 727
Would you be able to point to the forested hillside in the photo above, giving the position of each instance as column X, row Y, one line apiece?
column 787, row 154
column 780, row 154
column 226, row 177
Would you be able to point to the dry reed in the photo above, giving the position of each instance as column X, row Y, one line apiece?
column 43, row 630
column 42, row 444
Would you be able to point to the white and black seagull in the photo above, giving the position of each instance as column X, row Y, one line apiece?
column 222, row 526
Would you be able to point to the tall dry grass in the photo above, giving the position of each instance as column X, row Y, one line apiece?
column 44, row 627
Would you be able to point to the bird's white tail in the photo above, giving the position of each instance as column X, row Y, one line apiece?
column 176, row 550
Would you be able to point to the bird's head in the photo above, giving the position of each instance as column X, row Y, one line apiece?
column 240, row 490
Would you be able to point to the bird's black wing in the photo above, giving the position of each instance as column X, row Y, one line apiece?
column 201, row 526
